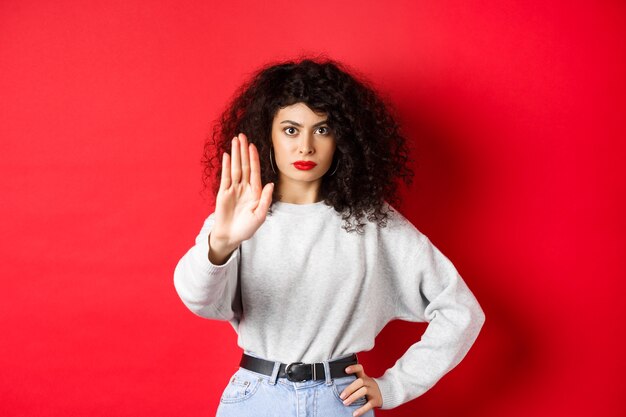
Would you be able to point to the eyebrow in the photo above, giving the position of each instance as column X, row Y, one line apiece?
column 299, row 125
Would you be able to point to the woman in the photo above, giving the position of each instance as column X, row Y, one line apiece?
column 311, row 266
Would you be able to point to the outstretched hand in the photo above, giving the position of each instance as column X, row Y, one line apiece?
column 242, row 202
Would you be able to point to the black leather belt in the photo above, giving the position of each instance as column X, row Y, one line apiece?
column 298, row 371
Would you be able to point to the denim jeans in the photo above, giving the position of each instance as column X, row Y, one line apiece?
column 251, row 394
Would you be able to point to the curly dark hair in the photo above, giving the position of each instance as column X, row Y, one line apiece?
column 371, row 152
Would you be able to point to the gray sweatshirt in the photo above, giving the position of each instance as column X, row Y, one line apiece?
column 303, row 289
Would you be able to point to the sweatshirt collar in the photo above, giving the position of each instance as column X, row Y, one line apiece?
column 300, row 209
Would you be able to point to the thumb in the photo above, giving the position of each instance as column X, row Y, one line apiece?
column 265, row 200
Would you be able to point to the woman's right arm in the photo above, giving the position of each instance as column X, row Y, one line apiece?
column 207, row 289
column 206, row 276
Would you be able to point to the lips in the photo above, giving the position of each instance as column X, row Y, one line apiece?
column 304, row 165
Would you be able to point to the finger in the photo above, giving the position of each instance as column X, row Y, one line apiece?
column 355, row 385
column 355, row 369
column 366, row 407
column 225, row 181
column 264, row 201
column 245, row 159
column 255, row 169
column 361, row 392
column 235, row 162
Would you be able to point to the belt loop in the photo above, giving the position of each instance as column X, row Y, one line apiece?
column 329, row 379
column 274, row 376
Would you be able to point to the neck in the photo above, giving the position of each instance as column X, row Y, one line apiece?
column 299, row 193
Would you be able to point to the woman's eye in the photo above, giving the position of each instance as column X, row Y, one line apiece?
column 323, row 130
column 290, row 131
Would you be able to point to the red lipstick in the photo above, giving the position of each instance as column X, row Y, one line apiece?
column 304, row 165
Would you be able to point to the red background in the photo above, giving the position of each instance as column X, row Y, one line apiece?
column 517, row 114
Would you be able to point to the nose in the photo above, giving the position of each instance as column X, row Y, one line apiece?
column 306, row 145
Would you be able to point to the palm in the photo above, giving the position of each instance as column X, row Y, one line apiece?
column 242, row 202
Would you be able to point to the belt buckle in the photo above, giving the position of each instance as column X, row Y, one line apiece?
column 298, row 374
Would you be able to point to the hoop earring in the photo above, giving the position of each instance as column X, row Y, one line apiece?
column 272, row 162
column 334, row 170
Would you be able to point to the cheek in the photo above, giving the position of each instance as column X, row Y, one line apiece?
column 281, row 151
column 330, row 152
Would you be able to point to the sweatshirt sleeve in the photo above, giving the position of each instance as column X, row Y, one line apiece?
column 430, row 289
column 208, row 290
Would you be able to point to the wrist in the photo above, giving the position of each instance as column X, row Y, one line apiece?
column 219, row 250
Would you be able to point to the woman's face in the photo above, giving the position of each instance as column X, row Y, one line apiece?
column 303, row 145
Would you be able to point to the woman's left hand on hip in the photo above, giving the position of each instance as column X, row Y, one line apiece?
column 362, row 386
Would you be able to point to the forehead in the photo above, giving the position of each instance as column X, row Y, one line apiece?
column 298, row 112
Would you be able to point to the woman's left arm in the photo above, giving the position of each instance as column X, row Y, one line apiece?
column 430, row 289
